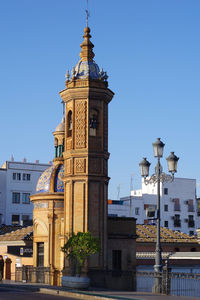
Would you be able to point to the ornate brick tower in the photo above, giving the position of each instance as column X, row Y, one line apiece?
column 86, row 98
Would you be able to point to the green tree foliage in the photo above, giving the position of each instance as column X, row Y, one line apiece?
column 79, row 247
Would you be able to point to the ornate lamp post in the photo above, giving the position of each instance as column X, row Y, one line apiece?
column 158, row 177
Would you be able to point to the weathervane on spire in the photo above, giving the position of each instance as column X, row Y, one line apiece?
column 87, row 14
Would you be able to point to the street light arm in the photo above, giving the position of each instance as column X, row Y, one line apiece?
column 163, row 178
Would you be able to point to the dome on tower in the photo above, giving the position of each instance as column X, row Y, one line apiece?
column 87, row 67
column 51, row 180
column 61, row 126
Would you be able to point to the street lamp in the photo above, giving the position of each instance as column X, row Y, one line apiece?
column 158, row 177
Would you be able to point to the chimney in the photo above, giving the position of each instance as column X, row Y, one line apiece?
column 37, row 161
column 24, row 160
column 12, row 158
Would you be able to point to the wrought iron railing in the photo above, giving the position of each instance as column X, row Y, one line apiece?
column 177, row 284
column 33, row 274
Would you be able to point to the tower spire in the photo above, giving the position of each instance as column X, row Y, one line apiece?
column 87, row 53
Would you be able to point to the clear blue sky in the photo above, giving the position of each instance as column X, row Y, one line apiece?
column 151, row 51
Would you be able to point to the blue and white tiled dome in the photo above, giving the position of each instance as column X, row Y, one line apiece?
column 85, row 69
column 55, row 174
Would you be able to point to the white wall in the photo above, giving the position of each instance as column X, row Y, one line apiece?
column 2, row 195
column 21, row 186
column 182, row 188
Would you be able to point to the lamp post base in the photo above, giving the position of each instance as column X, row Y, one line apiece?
column 157, row 287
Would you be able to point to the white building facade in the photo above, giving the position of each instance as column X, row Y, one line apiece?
column 179, row 209
column 17, row 182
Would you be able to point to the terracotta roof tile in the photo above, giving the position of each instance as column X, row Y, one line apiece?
column 24, row 233
column 147, row 233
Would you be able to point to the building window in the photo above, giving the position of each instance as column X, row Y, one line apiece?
column 116, row 260
column 15, row 197
column 177, row 206
column 165, row 191
column 15, row 219
column 40, row 254
column 166, row 207
column 177, row 221
column 26, row 177
column 190, row 221
column 25, row 220
column 176, row 249
column 26, row 198
column 190, row 206
column 150, row 211
column 166, row 223
column 16, row 176
column 137, row 209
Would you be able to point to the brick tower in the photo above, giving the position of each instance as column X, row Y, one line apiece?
column 86, row 97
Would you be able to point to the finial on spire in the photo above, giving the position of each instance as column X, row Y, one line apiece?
column 87, row 14
column 67, row 76
column 87, row 53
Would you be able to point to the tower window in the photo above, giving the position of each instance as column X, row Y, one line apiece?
column 69, row 124
column 93, row 122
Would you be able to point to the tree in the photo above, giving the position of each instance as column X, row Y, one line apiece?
column 79, row 247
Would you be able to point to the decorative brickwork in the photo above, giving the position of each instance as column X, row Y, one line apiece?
column 80, row 165
column 81, row 124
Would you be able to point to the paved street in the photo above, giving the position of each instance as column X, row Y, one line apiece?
column 12, row 294
column 143, row 296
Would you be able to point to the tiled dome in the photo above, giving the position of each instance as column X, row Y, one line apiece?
column 61, row 126
column 55, row 174
column 85, row 69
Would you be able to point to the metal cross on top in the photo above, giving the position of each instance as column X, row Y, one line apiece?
column 87, row 14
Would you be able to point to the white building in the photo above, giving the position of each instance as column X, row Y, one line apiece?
column 17, row 181
column 178, row 205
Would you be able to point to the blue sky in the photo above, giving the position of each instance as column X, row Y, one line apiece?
column 150, row 50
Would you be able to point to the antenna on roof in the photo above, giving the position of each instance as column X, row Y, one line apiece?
column 118, row 191
column 87, row 14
